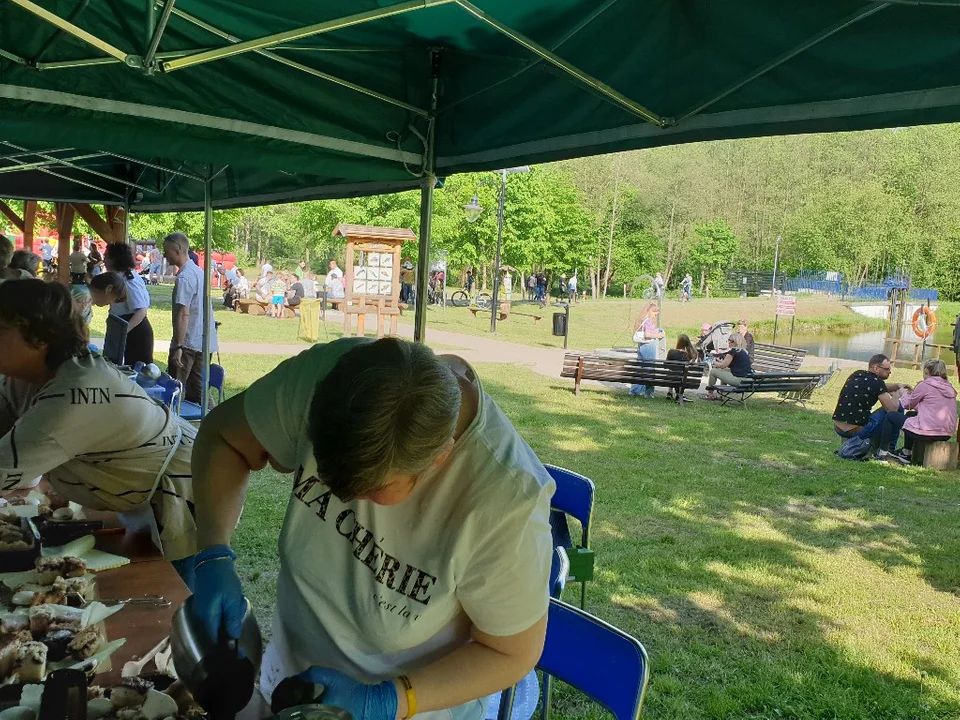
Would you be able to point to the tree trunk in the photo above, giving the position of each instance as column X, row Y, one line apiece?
column 671, row 241
column 613, row 224
column 483, row 276
column 703, row 281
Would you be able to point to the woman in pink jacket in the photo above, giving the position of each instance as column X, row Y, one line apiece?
column 935, row 401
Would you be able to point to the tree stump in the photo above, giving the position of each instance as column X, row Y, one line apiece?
column 939, row 455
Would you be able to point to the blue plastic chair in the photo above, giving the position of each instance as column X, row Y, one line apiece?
column 574, row 497
column 520, row 702
column 216, row 379
column 167, row 390
column 594, row 657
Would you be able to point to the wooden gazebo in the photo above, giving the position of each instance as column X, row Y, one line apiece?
column 372, row 274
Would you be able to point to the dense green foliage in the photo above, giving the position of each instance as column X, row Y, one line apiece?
column 865, row 204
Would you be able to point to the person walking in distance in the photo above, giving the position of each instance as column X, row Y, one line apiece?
column 185, row 361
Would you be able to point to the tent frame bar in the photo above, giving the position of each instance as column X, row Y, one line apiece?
column 595, row 13
column 776, row 62
column 22, row 167
column 206, row 313
column 72, row 29
column 28, row 154
column 593, row 83
column 86, row 62
column 428, row 182
column 214, row 122
column 302, row 68
column 148, row 59
column 13, row 58
column 178, row 171
column 72, row 17
column 66, row 162
column 297, row 33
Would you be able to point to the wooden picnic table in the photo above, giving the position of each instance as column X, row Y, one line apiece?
column 147, row 574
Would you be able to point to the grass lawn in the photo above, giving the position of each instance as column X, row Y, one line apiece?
column 235, row 327
column 766, row 578
column 609, row 323
column 593, row 324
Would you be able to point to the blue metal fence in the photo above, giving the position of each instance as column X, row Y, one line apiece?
column 826, row 282
column 816, row 281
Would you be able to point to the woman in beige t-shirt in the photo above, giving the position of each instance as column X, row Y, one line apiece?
column 73, row 417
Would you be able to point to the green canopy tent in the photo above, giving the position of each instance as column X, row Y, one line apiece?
column 190, row 104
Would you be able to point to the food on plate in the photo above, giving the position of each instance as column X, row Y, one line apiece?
column 50, row 568
column 57, row 643
column 130, row 693
column 11, row 535
column 30, row 662
column 14, row 622
column 74, row 585
column 51, row 596
column 87, row 642
column 63, row 513
column 46, row 618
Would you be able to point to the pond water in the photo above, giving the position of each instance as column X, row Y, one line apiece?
column 863, row 345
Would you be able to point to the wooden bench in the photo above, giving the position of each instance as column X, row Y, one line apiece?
column 776, row 358
column 501, row 315
column 792, row 387
column 677, row 376
column 252, row 306
column 536, row 318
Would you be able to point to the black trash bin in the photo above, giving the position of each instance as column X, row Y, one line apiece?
column 560, row 324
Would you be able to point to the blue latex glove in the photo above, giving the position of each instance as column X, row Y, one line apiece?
column 370, row 702
column 217, row 597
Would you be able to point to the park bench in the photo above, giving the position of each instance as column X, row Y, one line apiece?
column 252, row 306
column 677, row 376
column 536, row 318
column 776, row 358
column 504, row 316
column 792, row 387
column 500, row 316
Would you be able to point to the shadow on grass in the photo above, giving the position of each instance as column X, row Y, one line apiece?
column 766, row 577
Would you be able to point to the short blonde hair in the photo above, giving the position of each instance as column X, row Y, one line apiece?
column 386, row 406
column 735, row 340
column 936, row 368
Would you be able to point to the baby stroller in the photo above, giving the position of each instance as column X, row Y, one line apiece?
column 713, row 338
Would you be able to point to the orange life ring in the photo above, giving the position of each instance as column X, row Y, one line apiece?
column 930, row 322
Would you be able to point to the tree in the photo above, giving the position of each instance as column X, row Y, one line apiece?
column 716, row 244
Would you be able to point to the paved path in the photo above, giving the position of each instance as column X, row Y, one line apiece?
column 473, row 348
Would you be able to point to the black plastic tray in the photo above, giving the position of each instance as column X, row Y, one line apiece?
column 26, row 559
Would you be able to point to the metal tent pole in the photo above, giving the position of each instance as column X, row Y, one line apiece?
column 426, row 210
column 495, row 310
column 207, row 306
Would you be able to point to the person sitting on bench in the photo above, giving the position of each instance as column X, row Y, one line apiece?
column 730, row 369
column 935, row 403
column 683, row 352
column 862, row 390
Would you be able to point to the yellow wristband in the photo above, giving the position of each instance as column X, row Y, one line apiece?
column 411, row 697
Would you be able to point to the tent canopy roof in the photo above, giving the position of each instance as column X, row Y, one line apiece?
column 281, row 100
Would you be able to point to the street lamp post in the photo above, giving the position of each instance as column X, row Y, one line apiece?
column 473, row 210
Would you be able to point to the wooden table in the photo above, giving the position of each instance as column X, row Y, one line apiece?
column 147, row 574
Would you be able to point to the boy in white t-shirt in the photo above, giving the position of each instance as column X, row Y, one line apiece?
column 416, row 546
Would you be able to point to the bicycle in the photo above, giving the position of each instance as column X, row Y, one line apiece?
column 484, row 301
column 460, row 299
